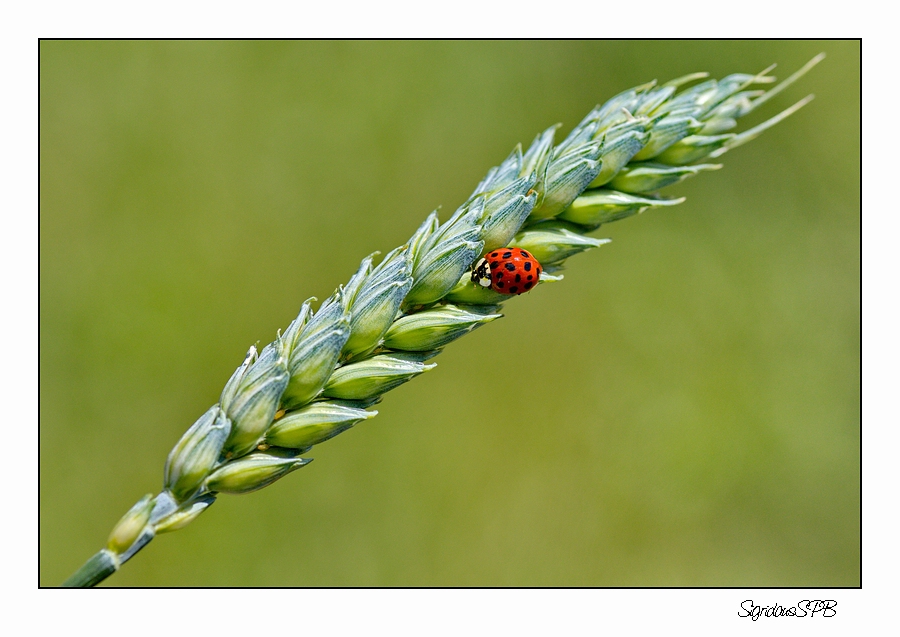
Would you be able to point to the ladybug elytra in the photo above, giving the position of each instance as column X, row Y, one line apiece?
column 507, row 271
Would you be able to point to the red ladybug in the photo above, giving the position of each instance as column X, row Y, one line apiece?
column 507, row 271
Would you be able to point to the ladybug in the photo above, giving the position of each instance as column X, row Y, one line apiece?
column 507, row 271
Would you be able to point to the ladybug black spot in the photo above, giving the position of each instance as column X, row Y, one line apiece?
column 507, row 255
column 513, row 289
column 530, row 277
column 525, row 254
column 494, row 254
column 510, row 267
column 518, row 278
column 528, row 266
column 499, row 284
column 528, row 286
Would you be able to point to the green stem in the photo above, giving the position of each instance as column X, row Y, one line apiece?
column 105, row 563
column 94, row 571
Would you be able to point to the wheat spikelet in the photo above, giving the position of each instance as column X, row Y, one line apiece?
column 384, row 326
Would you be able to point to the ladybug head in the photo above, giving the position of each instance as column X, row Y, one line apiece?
column 481, row 273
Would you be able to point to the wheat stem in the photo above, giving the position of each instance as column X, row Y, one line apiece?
column 378, row 331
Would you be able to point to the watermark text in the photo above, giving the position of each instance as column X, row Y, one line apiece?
column 803, row 608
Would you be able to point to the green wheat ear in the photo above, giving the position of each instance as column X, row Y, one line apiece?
column 378, row 331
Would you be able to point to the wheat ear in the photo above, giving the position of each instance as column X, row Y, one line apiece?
column 383, row 327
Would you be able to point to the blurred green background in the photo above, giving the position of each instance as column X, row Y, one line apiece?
column 694, row 413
